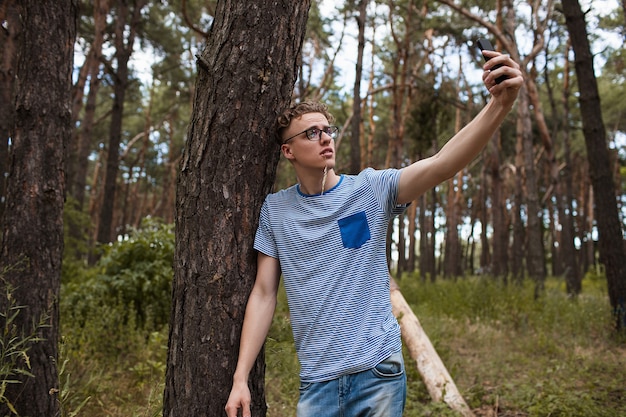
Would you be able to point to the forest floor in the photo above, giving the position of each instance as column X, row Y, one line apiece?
column 508, row 354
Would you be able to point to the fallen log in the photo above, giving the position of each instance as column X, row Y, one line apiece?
column 438, row 381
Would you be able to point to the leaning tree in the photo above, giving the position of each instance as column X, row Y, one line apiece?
column 246, row 75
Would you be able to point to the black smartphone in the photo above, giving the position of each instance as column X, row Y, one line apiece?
column 484, row 44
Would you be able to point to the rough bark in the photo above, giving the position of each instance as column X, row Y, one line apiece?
column 32, row 226
column 246, row 75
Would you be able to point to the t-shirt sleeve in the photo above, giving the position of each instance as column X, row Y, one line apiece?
column 264, row 240
column 385, row 184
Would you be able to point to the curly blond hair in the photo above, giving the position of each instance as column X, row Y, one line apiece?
column 296, row 110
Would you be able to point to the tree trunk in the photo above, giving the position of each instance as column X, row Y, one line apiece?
column 610, row 229
column 534, row 242
column 77, row 170
column 165, row 208
column 402, row 243
column 246, row 76
column 355, row 139
column 84, row 141
column 427, row 237
column 452, row 244
column 32, row 226
column 125, row 32
column 367, row 159
column 500, row 260
column 586, row 221
column 412, row 213
column 569, row 259
column 485, row 252
column 519, row 233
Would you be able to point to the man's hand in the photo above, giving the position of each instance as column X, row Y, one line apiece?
column 239, row 399
column 506, row 92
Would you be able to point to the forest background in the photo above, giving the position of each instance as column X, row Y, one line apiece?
column 134, row 74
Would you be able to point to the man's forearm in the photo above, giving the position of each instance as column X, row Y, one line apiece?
column 469, row 141
column 256, row 324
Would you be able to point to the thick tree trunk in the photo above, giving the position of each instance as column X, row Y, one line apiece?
column 610, row 229
column 246, row 76
column 32, row 226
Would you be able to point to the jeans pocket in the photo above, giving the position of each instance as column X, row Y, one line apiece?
column 391, row 367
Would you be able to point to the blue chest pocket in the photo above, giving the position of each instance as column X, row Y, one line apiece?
column 354, row 230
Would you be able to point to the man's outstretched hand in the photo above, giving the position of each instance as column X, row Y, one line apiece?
column 500, row 65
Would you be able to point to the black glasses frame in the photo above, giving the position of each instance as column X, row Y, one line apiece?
column 314, row 133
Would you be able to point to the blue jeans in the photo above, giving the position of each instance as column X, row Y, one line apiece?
column 378, row 392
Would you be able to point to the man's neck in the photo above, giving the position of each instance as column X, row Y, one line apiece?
column 313, row 183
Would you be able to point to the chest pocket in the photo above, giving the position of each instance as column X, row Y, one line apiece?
column 354, row 230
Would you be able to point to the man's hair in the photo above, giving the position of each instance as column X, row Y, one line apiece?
column 296, row 110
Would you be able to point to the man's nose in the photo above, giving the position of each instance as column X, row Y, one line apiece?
column 325, row 137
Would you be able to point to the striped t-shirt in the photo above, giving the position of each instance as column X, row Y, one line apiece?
column 331, row 249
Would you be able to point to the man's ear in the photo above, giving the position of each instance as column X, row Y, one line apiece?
column 287, row 151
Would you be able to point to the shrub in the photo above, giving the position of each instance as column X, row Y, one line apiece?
column 108, row 308
column 134, row 273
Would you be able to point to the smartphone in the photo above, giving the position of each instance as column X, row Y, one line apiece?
column 484, row 44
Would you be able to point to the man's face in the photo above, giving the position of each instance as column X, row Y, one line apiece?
column 308, row 143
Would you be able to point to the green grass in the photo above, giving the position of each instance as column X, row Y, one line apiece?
column 509, row 355
column 118, row 373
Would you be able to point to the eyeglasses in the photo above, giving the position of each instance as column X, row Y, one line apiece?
column 316, row 134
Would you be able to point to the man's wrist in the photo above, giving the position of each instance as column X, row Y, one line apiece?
column 240, row 378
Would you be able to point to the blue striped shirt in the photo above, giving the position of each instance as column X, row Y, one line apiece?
column 331, row 249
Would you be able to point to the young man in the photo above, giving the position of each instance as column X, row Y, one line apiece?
column 326, row 236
